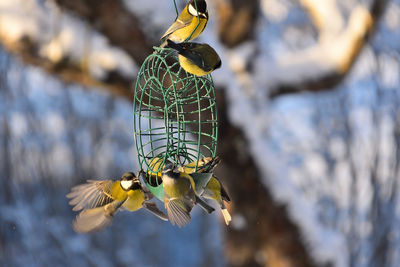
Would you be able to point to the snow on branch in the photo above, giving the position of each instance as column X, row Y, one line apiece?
column 323, row 65
column 115, row 21
column 43, row 35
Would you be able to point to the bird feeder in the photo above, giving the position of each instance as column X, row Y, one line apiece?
column 175, row 117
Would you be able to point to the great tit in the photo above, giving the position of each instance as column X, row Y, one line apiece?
column 215, row 191
column 195, row 58
column 180, row 195
column 100, row 200
column 189, row 24
column 206, row 164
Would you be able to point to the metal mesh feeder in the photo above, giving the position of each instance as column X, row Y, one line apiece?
column 175, row 117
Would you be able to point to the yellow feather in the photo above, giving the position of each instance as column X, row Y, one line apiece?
column 135, row 200
column 192, row 68
column 183, row 33
column 117, row 192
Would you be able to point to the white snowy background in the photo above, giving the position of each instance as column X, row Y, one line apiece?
column 332, row 157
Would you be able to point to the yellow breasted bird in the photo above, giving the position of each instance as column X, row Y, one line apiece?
column 215, row 191
column 100, row 200
column 190, row 23
column 206, row 164
column 180, row 195
column 196, row 58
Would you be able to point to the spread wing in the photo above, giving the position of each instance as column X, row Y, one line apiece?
column 91, row 220
column 178, row 211
column 90, row 195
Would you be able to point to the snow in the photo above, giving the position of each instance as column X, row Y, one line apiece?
column 238, row 222
column 155, row 16
column 274, row 10
column 291, row 161
column 390, row 71
column 392, row 18
column 315, row 152
column 18, row 124
column 57, row 140
column 61, row 35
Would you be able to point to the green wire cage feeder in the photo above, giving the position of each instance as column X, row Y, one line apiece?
column 175, row 117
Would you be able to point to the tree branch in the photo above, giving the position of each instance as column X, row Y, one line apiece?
column 68, row 71
column 324, row 65
column 236, row 20
column 269, row 229
column 52, row 52
column 113, row 19
column 268, row 236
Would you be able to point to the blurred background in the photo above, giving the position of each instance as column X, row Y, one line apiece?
column 309, row 108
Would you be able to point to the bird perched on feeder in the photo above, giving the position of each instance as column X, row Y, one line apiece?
column 215, row 191
column 190, row 23
column 196, row 58
column 100, row 200
column 205, row 164
column 180, row 195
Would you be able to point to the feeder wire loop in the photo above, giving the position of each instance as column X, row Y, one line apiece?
column 175, row 115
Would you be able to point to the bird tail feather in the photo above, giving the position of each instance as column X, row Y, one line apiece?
column 227, row 216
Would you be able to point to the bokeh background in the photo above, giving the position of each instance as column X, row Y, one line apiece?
column 309, row 109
